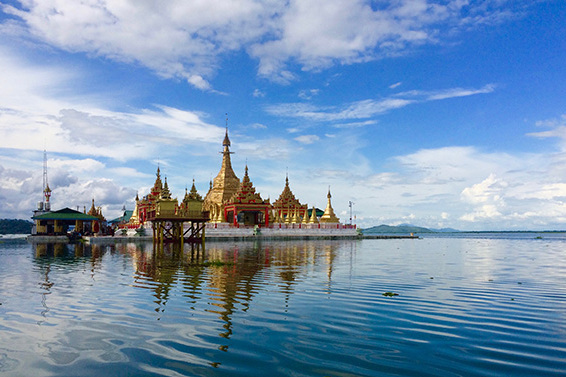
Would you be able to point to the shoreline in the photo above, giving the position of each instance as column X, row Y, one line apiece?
column 220, row 238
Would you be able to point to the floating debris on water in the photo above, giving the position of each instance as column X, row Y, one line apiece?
column 390, row 294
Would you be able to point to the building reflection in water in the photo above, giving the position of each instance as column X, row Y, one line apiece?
column 223, row 278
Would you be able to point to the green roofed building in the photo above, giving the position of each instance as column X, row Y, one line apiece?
column 58, row 222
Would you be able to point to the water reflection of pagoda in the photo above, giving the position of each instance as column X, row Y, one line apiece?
column 230, row 284
column 231, row 203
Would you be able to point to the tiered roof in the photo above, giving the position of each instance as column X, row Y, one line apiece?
column 287, row 199
column 193, row 195
column 246, row 193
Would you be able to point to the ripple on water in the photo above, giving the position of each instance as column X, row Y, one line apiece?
column 298, row 309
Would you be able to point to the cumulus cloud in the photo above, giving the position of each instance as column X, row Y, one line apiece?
column 21, row 189
column 489, row 190
column 189, row 39
column 460, row 187
column 182, row 39
column 36, row 114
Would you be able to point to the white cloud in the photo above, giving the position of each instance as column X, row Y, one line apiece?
column 199, row 82
column 459, row 92
column 354, row 110
column 307, row 139
column 489, row 190
column 36, row 114
column 370, row 107
column 486, row 211
column 355, row 124
column 258, row 93
column 188, row 39
column 556, row 129
column 459, row 187
column 85, row 165
column 308, row 94
column 180, row 38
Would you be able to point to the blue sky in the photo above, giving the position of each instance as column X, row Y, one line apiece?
column 437, row 113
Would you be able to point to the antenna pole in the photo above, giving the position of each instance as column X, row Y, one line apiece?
column 350, row 204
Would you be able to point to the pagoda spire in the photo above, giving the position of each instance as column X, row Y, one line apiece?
column 165, row 194
column 92, row 210
column 158, row 185
column 329, row 216
column 226, row 142
column 226, row 182
column 313, row 219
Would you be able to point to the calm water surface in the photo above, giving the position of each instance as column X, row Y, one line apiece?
column 469, row 306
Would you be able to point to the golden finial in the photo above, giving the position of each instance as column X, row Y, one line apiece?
column 226, row 141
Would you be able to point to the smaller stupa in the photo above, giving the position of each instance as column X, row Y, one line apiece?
column 329, row 216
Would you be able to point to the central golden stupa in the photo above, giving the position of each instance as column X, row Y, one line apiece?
column 224, row 186
column 232, row 202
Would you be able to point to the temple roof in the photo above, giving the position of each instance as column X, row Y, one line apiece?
column 287, row 198
column 65, row 214
column 246, row 192
column 193, row 195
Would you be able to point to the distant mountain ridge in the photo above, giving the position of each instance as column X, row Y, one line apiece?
column 15, row 226
column 404, row 228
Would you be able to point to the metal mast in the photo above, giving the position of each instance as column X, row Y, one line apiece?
column 46, row 189
column 350, row 204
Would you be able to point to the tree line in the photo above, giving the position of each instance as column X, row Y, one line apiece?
column 15, row 226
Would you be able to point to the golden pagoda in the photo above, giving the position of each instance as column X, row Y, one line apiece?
column 224, row 186
column 329, row 216
column 288, row 208
column 96, row 212
column 313, row 219
column 134, row 219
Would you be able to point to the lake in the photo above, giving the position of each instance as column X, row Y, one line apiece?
column 493, row 305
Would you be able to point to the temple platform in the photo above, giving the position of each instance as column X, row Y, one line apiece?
column 219, row 232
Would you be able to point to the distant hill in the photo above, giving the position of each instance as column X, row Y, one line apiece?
column 446, row 230
column 14, row 226
column 404, row 228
